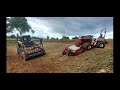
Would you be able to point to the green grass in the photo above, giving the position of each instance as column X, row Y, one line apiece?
column 10, row 38
column 13, row 39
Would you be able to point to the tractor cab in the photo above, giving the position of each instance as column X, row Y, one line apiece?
column 26, row 40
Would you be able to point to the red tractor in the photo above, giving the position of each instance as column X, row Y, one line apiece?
column 86, row 43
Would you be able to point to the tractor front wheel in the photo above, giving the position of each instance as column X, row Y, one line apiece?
column 100, row 45
column 87, row 46
column 19, row 54
column 24, row 56
column 63, row 53
column 44, row 53
column 71, row 54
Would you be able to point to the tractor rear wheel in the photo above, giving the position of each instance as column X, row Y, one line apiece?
column 100, row 45
column 87, row 46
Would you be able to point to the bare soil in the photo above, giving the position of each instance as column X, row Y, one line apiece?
column 96, row 60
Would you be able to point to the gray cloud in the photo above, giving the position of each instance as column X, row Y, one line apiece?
column 72, row 26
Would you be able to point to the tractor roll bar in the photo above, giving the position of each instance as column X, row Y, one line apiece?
column 104, row 31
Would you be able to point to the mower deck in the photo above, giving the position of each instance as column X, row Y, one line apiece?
column 35, row 54
column 73, row 50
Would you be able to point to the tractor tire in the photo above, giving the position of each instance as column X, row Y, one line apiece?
column 19, row 54
column 24, row 56
column 87, row 46
column 44, row 52
column 73, row 54
column 100, row 45
column 63, row 53
column 69, row 54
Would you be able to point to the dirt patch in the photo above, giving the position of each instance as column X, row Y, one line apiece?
column 92, row 61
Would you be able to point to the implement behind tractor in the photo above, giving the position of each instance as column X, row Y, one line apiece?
column 27, row 49
column 86, row 43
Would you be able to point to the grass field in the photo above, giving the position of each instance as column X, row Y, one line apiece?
column 13, row 39
column 92, row 61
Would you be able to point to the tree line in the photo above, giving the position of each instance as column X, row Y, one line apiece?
column 63, row 38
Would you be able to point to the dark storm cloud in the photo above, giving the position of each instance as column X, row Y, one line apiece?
column 77, row 25
column 70, row 26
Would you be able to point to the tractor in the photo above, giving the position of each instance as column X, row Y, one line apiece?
column 86, row 43
column 27, row 49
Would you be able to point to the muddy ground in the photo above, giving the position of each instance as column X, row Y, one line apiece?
column 96, row 60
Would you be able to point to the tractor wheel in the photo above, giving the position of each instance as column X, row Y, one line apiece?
column 19, row 54
column 44, row 52
column 24, row 56
column 69, row 54
column 100, row 45
column 87, row 46
column 63, row 53
column 73, row 54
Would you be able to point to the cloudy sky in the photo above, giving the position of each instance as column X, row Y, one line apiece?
column 70, row 26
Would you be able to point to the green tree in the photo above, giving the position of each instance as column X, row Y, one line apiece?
column 47, row 37
column 75, row 38
column 13, row 36
column 33, row 31
column 18, row 23
column 64, row 37
column 8, row 28
column 52, row 38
